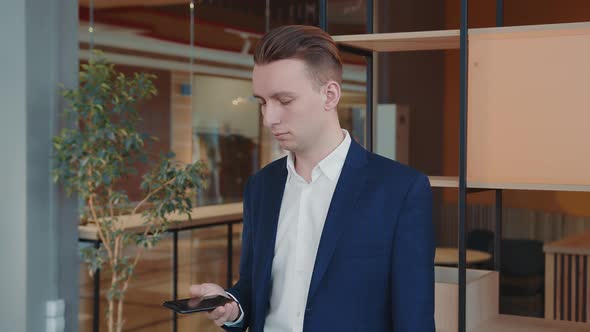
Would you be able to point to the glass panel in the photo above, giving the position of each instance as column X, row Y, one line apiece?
column 203, row 111
column 286, row 12
column 151, row 39
column 347, row 17
column 353, row 108
column 225, row 135
column 154, row 39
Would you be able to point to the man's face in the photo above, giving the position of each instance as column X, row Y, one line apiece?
column 292, row 106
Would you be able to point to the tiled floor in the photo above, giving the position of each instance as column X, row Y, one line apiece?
column 202, row 258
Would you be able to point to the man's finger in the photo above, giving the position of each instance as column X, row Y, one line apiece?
column 223, row 318
column 196, row 291
column 216, row 314
column 234, row 312
column 194, row 302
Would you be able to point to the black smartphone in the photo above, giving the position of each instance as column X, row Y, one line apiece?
column 187, row 306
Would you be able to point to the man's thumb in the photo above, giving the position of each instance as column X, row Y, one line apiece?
column 196, row 291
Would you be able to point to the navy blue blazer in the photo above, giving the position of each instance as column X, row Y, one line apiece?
column 374, row 269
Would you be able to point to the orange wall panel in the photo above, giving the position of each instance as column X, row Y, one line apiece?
column 528, row 105
column 482, row 14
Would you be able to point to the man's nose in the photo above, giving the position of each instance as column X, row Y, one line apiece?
column 271, row 116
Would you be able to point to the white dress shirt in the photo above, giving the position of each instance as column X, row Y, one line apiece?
column 303, row 213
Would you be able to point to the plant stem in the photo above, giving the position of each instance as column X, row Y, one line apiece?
column 104, row 238
column 111, row 318
column 114, row 284
column 120, row 314
column 151, row 193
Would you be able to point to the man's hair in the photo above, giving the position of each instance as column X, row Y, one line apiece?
column 310, row 44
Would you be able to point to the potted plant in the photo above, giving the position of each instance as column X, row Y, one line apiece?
column 93, row 159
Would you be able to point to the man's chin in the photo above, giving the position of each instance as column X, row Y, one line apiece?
column 287, row 146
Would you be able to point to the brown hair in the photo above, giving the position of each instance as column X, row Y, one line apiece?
column 308, row 43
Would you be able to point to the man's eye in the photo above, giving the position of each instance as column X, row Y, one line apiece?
column 286, row 102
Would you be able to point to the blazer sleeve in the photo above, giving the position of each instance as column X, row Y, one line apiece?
column 412, row 275
column 242, row 290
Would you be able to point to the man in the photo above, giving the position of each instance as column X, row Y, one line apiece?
column 335, row 238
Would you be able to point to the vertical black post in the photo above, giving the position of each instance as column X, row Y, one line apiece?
column 230, row 253
column 498, row 231
column 324, row 15
column 369, row 106
column 499, row 13
column 370, row 16
column 267, row 16
column 463, row 167
column 96, row 297
column 174, row 276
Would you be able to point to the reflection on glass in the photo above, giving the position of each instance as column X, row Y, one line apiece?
column 134, row 45
column 225, row 135
column 347, row 17
column 203, row 109
column 353, row 102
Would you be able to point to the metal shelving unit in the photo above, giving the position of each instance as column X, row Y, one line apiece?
column 413, row 41
column 366, row 45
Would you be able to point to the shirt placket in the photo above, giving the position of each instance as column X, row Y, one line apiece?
column 301, row 253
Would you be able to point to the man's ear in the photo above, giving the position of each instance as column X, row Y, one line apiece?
column 332, row 93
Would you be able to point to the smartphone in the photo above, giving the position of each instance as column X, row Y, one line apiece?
column 187, row 306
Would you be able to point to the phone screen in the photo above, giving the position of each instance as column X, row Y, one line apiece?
column 185, row 306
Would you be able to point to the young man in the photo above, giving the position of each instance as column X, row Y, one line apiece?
column 335, row 238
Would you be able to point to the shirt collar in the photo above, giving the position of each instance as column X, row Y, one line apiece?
column 331, row 165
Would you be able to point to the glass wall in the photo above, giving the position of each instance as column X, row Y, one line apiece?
column 201, row 55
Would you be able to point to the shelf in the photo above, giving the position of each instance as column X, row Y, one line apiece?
column 529, row 186
column 528, row 31
column 453, row 182
column 403, row 41
column 444, row 181
column 450, row 39
column 509, row 323
column 578, row 244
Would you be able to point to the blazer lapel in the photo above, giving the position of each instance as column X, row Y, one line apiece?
column 349, row 186
column 273, row 187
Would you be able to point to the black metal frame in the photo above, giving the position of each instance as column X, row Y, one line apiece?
column 228, row 223
column 463, row 167
column 369, row 108
column 499, row 13
column 463, row 189
column 498, row 230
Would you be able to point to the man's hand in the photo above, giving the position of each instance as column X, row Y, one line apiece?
column 226, row 314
